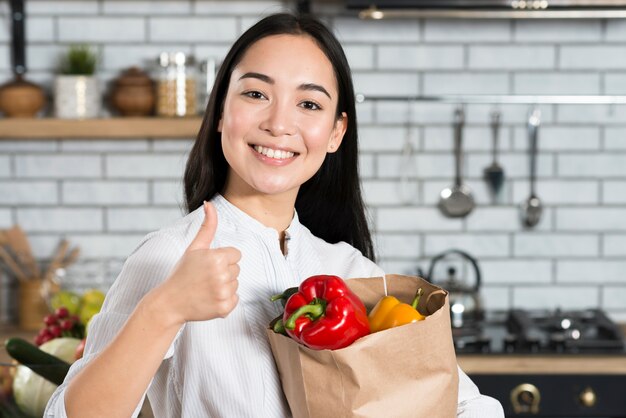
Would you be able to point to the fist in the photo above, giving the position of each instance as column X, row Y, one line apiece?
column 204, row 282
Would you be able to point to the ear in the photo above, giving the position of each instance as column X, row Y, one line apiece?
column 341, row 125
column 219, row 124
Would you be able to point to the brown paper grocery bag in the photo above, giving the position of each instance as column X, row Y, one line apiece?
column 407, row 371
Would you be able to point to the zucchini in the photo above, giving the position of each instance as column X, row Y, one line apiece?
column 45, row 365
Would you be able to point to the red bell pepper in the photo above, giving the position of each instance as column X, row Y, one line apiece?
column 325, row 314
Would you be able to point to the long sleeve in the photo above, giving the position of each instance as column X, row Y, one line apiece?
column 148, row 266
column 474, row 405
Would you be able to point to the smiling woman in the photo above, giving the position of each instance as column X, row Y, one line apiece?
column 273, row 191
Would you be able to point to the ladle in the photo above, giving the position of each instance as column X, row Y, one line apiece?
column 494, row 174
column 457, row 201
column 532, row 208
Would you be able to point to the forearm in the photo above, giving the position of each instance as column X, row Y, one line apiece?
column 113, row 383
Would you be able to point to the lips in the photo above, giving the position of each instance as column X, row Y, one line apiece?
column 273, row 153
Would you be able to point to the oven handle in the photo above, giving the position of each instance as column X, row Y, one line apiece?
column 525, row 398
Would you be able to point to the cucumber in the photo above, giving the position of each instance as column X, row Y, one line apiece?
column 45, row 365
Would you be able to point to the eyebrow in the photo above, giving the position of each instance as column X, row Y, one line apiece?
column 270, row 80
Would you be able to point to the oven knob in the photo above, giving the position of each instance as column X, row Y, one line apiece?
column 510, row 343
column 587, row 397
column 525, row 399
column 533, row 344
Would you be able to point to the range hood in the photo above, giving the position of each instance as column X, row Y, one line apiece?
column 378, row 9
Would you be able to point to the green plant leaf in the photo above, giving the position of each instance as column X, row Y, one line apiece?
column 80, row 60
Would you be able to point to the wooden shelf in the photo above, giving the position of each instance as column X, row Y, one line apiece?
column 112, row 128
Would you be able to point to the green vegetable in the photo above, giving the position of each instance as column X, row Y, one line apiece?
column 31, row 391
column 38, row 360
column 277, row 323
column 284, row 297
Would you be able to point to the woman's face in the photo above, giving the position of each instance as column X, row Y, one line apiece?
column 279, row 118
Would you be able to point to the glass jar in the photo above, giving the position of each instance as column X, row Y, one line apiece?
column 176, row 85
column 208, row 70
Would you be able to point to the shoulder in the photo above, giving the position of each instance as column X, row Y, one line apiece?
column 343, row 260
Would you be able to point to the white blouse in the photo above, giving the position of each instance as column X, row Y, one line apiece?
column 224, row 367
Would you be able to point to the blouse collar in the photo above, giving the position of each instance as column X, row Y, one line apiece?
column 240, row 219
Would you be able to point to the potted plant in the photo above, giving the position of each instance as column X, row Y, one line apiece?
column 76, row 90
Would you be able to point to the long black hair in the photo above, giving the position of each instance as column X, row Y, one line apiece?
column 329, row 204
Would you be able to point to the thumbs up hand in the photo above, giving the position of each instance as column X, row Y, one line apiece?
column 204, row 282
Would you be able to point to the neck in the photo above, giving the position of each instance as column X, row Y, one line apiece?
column 272, row 211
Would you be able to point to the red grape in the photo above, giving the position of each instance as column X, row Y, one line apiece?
column 55, row 331
column 62, row 312
column 66, row 324
column 50, row 319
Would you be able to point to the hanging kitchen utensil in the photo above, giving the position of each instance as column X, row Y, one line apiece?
column 532, row 207
column 466, row 304
column 406, row 191
column 457, row 201
column 494, row 174
column 18, row 97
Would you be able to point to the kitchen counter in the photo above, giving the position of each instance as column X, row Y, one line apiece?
column 543, row 364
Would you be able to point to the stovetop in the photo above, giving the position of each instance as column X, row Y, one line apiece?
column 557, row 331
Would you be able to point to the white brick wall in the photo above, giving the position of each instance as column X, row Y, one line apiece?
column 6, row 220
column 192, row 29
column 467, row 31
column 419, row 57
column 60, row 219
column 105, row 195
column 101, row 29
column 145, row 166
column 45, row 166
column 28, row 192
column 558, row 31
column 518, row 58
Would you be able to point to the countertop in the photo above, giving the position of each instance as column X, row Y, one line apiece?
column 543, row 364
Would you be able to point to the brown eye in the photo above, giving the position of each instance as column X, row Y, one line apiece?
column 254, row 94
column 310, row 105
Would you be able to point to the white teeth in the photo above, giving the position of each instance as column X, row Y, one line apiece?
column 273, row 153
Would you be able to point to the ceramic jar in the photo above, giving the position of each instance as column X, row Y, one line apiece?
column 21, row 99
column 133, row 93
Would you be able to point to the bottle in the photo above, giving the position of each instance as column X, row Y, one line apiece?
column 176, row 85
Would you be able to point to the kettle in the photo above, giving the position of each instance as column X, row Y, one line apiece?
column 465, row 302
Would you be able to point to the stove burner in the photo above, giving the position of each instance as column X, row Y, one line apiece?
column 541, row 331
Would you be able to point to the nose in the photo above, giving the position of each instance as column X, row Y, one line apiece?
column 279, row 119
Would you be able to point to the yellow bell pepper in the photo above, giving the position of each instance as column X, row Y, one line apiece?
column 389, row 312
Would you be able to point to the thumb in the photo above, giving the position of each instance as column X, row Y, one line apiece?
column 207, row 230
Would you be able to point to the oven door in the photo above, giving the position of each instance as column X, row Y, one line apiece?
column 556, row 395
